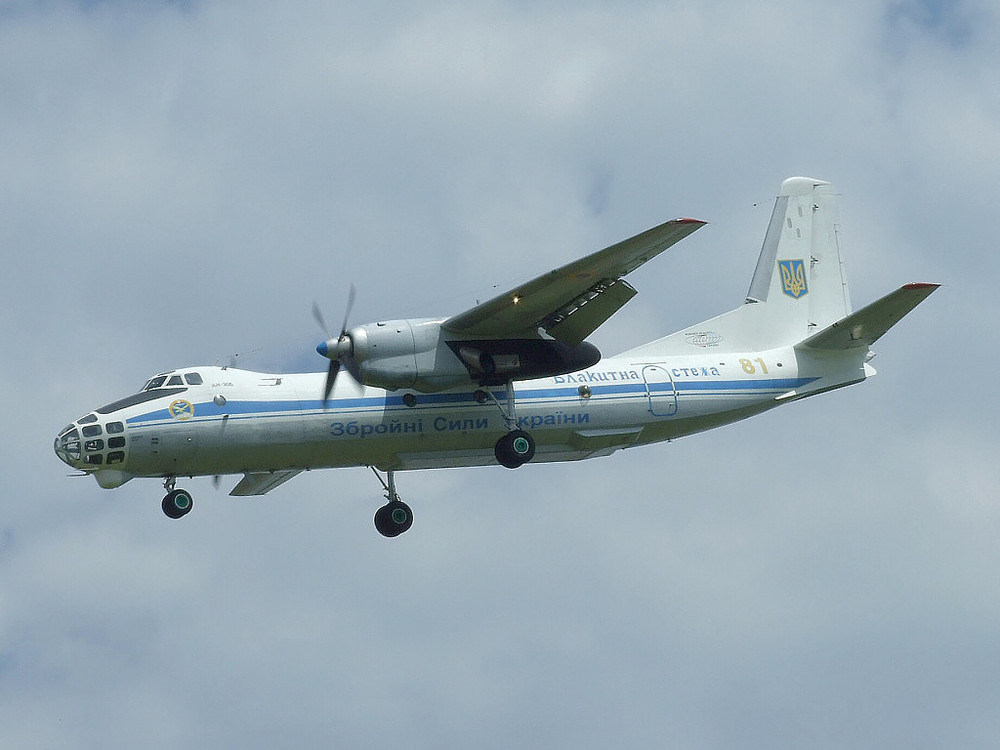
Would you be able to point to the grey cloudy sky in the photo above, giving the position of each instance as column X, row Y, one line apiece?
column 179, row 182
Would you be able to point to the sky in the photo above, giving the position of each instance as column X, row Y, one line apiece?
column 181, row 180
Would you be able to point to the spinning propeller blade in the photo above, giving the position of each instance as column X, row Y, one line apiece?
column 351, row 294
column 341, row 353
column 331, row 377
column 318, row 315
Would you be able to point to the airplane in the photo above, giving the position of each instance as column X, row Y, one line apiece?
column 509, row 381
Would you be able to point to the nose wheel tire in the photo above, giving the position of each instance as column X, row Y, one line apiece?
column 514, row 449
column 177, row 503
column 393, row 518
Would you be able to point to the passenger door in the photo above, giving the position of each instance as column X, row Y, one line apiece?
column 660, row 390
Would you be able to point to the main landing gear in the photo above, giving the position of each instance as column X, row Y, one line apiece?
column 176, row 503
column 514, row 449
column 517, row 447
column 395, row 517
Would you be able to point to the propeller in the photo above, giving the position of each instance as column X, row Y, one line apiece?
column 340, row 351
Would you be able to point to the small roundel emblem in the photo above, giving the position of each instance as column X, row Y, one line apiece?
column 181, row 409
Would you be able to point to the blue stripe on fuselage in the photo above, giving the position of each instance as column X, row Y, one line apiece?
column 235, row 408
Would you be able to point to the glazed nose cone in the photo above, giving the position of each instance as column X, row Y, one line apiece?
column 67, row 446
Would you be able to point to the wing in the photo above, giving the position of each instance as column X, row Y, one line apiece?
column 572, row 301
column 262, row 482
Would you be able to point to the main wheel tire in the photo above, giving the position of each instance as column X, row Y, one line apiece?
column 514, row 449
column 177, row 503
column 393, row 518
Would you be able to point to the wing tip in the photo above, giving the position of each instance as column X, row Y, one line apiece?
column 921, row 285
column 699, row 222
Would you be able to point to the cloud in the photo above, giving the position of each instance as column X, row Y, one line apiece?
column 181, row 181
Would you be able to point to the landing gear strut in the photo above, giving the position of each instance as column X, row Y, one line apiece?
column 395, row 517
column 517, row 447
column 176, row 503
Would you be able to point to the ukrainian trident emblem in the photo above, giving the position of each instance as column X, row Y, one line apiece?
column 793, row 277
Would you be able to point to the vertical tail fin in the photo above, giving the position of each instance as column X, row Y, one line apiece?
column 799, row 286
column 800, row 275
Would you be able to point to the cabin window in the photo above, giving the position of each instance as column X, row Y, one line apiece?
column 114, row 428
column 193, row 378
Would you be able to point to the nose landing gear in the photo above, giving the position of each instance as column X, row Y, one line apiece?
column 176, row 503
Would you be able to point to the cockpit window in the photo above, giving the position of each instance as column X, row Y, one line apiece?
column 114, row 428
column 87, row 419
column 156, row 382
column 193, row 378
column 140, row 398
column 175, row 380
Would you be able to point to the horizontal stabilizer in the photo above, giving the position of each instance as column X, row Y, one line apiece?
column 260, row 483
column 865, row 326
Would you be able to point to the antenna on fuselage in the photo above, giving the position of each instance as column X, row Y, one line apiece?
column 232, row 361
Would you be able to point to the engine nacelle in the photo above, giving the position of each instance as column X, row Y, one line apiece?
column 418, row 354
column 494, row 362
column 397, row 354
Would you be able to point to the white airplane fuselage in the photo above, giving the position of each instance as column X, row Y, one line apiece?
column 238, row 421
